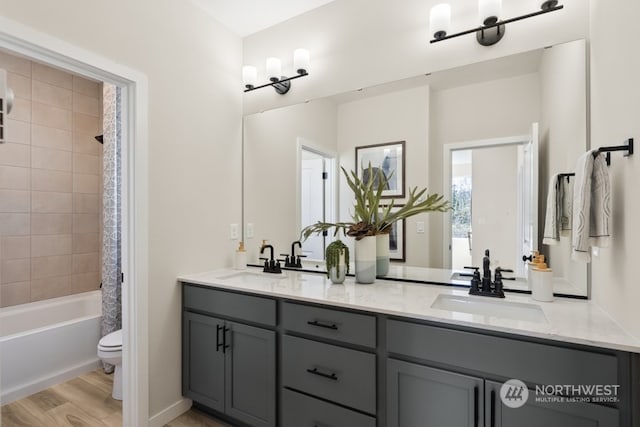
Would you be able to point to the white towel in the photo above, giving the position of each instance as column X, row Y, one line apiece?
column 552, row 221
column 566, row 210
column 591, row 206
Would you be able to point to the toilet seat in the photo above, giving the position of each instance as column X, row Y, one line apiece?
column 111, row 342
column 110, row 351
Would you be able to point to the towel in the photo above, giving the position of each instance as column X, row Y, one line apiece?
column 566, row 210
column 552, row 222
column 591, row 206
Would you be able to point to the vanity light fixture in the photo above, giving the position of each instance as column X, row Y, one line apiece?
column 491, row 29
column 280, row 83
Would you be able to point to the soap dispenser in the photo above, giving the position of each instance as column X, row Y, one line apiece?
column 241, row 257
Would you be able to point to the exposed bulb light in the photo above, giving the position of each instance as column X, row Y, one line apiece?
column 440, row 20
column 249, row 76
column 280, row 83
column 490, row 11
column 274, row 69
column 301, row 61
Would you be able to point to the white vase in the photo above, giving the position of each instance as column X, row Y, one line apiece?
column 382, row 254
column 338, row 273
column 365, row 256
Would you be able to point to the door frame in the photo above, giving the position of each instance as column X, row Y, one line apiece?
column 42, row 47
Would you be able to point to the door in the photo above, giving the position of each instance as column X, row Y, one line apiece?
column 420, row 396
column 535, row 414
column 203, row 360
column 250, row 372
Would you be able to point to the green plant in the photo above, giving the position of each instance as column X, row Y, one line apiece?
column 368, row 219
column 334, row 249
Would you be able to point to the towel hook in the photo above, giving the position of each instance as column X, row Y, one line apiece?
column 628, row 147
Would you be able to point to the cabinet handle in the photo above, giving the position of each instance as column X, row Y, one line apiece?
column 493, row 408
column 218, row 343
column 476, row 411
column 331, row 376
column 322, row 325
column 225, row 346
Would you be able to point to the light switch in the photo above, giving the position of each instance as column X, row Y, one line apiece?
column 249, row 233
column 233, row 231
column 420, row 227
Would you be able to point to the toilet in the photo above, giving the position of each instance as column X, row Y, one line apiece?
column 110, row 351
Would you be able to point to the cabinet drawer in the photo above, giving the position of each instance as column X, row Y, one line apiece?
column 345, row 376
column 337, row 325
column 299, row 410
column 530, row 362
column 239, row 306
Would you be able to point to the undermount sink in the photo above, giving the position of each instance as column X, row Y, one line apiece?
column 491, row 307
column 252, row 277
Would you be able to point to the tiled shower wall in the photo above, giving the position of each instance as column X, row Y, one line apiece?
column 50, row 184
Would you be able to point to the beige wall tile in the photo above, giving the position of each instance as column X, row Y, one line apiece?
column 50, row 266
column 20, row 84
column 83, row 183
column 51, row 75
column 18, row 132
column 51, row 287
column 21, row 110
column 51, row 224
column 14, row 224
column 86, row 263
column 56, row 96
column 86, row 105
column 47, row 137
column 86, row 223
column 86, row 203
column 46, row 180
column 15, row 247
column 14, row 201
column 15, row 270
column 87, row 163
column 45, row 158
column 15, row 178
column 15, row 154
column 87, row 87
column 86, row 242
column 51, row 202
column 50, row 116
column 85, row 282
column 15, row 64
column 86, row 124
column 42, row 246
column 15, row 294
column 86, row 143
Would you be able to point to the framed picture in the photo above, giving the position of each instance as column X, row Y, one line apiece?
column 387, row 157
column 397, row 239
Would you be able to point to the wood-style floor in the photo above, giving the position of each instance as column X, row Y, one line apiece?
column 84, row 401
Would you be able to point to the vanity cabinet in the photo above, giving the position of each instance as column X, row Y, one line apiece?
column 229, row 366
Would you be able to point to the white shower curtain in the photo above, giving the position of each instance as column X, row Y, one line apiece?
column 111, row 213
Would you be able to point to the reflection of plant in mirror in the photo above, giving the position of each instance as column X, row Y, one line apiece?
column 368, row 218
column 333, row 252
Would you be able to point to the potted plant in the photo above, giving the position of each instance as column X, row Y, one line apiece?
column 337, row 259
column 368, row 220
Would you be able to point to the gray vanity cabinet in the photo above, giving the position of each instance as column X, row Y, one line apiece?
column 421, row 396
column 535, row 414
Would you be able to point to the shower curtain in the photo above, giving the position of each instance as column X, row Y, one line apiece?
column 111, row 213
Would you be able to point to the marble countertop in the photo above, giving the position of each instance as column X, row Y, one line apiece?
column 567, row 320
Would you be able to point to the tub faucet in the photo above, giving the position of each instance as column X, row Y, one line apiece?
column 270, row 264
column 293, row 260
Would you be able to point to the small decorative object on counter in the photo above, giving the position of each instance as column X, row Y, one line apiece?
column 542, row 283
column 536, row 259
column 241, row 257
column 337, row 255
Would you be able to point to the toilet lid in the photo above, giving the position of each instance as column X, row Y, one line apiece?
column 114, row 339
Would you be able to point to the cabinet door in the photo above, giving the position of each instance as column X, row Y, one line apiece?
column 536, row 414
column 250, row 372
column 203, row 360
column 419, row 396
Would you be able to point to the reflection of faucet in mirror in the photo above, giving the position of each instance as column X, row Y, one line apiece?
column 293, row 260
column 270, row 264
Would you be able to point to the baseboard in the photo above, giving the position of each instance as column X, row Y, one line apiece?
column 24, row 390
column 170, row 413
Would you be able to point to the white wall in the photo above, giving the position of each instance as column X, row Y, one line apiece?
column 359, row 43
column 615, row 91
column 193, row 66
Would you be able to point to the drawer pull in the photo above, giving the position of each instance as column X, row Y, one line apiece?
column 331, row 376
column 218, row 343
column 322, row 325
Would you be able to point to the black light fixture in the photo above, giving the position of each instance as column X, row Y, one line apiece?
column 280, row 83
column 492, row 28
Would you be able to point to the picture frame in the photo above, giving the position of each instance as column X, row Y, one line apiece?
column 397, row 238
column 390, row 158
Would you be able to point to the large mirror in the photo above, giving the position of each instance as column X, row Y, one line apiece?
column 449, row 123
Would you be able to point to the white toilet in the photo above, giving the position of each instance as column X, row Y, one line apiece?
column 110, row 351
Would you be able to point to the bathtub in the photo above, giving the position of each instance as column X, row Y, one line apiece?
column 47, row 342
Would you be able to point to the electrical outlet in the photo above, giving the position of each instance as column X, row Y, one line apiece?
column 233, row 231
column 420, row 227
column 249, row 233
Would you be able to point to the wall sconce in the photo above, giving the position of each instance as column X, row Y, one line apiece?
column 491, row 29
column 280, row 83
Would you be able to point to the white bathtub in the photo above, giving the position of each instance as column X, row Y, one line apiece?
column 47, row 342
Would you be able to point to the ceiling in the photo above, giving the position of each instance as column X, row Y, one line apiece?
column 245, row 17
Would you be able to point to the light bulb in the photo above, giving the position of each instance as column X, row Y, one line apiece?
column 301, row 61
column 274, row 69
column 249, row 76
column 440, row 20
column 490, row 11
